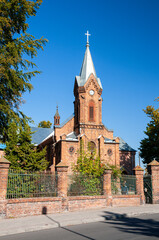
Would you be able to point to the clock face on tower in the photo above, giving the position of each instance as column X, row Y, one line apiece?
column 91, row 92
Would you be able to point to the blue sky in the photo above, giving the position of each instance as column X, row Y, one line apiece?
column 124, row 44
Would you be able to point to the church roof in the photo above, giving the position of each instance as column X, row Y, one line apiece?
column 40, row 134
column 72, row 137
column 87, row 69
column 57, row 112
column 123, row 146
column 107, row 140
column 67, row 120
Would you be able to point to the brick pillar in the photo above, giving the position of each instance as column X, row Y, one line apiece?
column 107, row 182
column 139, row 173
column 154, row 170
column 61, row 170
column 4, row 166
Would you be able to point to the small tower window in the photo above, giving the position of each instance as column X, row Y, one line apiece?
column 91, row 111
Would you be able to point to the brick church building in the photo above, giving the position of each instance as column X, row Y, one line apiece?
column 63, row 141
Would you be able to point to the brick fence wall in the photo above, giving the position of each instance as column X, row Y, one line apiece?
column 44, row 205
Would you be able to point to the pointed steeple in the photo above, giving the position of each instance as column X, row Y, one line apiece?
column 87, row 67
column 57, row 117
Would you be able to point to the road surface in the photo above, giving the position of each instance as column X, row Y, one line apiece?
column 141, row 227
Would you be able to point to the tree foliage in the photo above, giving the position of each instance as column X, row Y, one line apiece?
column 89, row 163
column 45, row 124
column 20, row 151
column 149, row 146
column 17, row 49
column 87, row 173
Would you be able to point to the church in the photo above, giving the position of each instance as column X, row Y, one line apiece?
column 63, row 141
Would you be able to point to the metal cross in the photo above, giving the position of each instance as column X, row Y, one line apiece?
column 87, row 34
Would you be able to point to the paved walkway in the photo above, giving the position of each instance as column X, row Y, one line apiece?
column 35, row 223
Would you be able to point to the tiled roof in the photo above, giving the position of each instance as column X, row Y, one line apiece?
column 123, row 146
column 40, row 134
column 71, row 137
column 107, row 140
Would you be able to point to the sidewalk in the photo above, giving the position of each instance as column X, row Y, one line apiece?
column 35, row 223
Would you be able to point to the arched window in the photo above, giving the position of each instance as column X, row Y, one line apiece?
column 91, row 111
column 91, row 146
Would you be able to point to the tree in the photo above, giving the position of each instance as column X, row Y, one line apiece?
column 149, row 146
column 15, row 68
column 20, row 151
column 86, row 178
column 45, row 124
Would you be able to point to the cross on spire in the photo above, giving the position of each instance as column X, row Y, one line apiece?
column 87, row 34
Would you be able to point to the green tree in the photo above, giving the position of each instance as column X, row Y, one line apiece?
column 20, row 151
column 149, row 146
column 45, row 124
column 17, row 48
column 86, row 179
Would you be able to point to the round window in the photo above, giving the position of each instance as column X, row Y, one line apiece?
column 71, row 150
column 109, row 152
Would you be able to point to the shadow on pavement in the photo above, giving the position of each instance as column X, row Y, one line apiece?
column 132, row 225
column 64, row 228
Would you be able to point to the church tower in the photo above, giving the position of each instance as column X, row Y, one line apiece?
column 87, row 92
column 57, row 117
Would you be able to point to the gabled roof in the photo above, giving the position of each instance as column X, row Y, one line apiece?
column 107, row 140
column 123, row 146
column 87, row 69
column 40, row 134
column 72, row 137
column 66, row 121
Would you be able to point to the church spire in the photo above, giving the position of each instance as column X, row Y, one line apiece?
column 57, row 117
column 87, row 67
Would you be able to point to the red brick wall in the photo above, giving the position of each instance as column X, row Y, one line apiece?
column 86, row 202
column 127, row 160
column 32, row 206
column 66, row 129
column 37, row 206
column 126, row 200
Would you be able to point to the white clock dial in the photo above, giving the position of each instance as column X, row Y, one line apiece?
column 91, row 92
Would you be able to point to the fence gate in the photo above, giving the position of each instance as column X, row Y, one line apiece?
column 148, row 189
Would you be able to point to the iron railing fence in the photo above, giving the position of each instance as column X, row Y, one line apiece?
column 126, row 184
column 83, row 185
column 148, row 188
column 23, row 184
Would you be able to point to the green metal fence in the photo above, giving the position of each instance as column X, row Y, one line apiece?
column 22, row 184
column 83, row 185
column 126, row 184
column 148, row 189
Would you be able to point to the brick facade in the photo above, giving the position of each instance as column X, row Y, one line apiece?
column 86, row 125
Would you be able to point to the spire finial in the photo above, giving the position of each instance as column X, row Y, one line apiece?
column 87, row 34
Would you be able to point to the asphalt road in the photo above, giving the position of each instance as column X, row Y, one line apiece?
column 142, row 227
